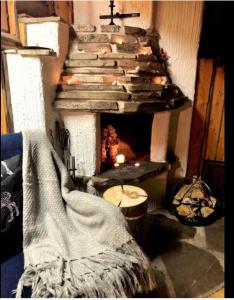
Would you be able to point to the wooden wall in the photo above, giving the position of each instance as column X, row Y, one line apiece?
column 207, row 132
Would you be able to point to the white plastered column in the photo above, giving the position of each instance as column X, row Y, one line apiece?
column 33, row 79
column 84, row 129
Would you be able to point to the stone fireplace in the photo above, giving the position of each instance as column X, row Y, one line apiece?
column 114, row 77
column 114, row 84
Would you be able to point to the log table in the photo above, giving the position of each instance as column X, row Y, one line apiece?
column 132, row 201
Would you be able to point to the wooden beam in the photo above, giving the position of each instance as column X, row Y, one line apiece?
column 63, row 9
column 4, row 128
column 215, row 121
column 13, row 21
column 197, row 136
column 220, row 155
column 4, row 17
column 22, row 34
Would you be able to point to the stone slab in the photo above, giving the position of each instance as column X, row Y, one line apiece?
column 91, row 87
column 91, row 47
column 142, row 106
column 143, row 96
column 31, row 52
column 143, row 65
column 133, row 79
column 123, row 39
column 90, row 63
column 128, row 173
column 157, row 70
column 127, row 48
column 91, row 106
column 79, row 78
column 143, row 87
column 146, row 57
column 110, row 28
column 84, row 28
column 93, row 95
column 92, row 38
column 153, row 91
column 134, row 31
column 117, row 56
column 94, row 71
column 82, row 55
column 117, row 106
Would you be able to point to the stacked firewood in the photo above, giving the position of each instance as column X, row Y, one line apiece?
column 194, row 201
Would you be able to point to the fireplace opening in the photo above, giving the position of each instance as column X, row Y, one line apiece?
column 125, row 138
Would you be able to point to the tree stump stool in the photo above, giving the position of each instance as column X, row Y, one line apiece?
column 132, row 201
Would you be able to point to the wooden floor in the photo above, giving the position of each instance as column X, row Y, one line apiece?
column 218, row 294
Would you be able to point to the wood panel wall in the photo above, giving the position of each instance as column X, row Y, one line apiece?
column 207, row 131
column 215, row 138
column 4, row 17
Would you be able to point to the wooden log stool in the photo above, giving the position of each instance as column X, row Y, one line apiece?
column 132, row 201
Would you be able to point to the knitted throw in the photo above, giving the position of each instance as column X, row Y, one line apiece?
column 75, row 244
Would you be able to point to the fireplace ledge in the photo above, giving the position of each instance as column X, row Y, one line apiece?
column 129, row 174
column 119, row 106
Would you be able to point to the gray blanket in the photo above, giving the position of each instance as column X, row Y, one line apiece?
column 75, row 244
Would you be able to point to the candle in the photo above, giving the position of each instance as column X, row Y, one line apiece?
column 120, row 158
column 102, row 52
column 116, row 165
column 137, row 164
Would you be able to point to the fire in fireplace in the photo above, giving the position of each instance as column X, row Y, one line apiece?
column 125, row 138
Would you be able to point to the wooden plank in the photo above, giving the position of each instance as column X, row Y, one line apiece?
column 39, row 20
column 215, row 115
column 4, row 128
column 63, row 9
column 197, row 135
column 22, row 34
column 13, row 21
column 4, row 17
column 6, row 86
column 220, row 155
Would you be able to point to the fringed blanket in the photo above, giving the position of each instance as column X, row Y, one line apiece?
column 75, row 244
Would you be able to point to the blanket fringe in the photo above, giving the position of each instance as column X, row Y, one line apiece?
column 116, row 274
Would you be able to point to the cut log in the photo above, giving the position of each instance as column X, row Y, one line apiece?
column 131, row 199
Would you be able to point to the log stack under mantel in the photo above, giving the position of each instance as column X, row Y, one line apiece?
column 118, row 69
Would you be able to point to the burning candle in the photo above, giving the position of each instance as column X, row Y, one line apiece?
column 116, row 165
column 120, row 158
column 137, row 164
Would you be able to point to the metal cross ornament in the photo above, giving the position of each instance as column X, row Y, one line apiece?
column 117, row 15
